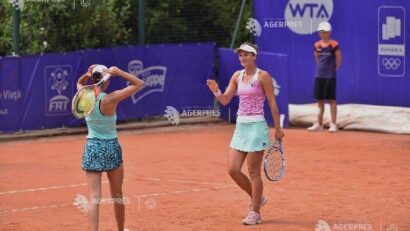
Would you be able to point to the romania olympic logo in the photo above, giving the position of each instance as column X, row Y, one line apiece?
column 391, row 63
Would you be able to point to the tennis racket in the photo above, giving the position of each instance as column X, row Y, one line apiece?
column 84, row 100
column 274, row 160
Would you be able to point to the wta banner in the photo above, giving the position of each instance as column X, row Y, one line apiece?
column 275, row 64
column 373, row 37
column 36, row 91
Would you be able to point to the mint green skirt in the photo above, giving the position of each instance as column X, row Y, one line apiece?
column 251, row 137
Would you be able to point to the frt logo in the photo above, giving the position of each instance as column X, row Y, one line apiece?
column 308, row 14
column 58, row 89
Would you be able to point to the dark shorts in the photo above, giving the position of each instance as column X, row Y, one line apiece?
column 325, row 89
column 101, row 155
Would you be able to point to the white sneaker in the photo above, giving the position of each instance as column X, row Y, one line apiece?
column 333, row 127
column 316, row 127
column 253, row 218
column 264, row 200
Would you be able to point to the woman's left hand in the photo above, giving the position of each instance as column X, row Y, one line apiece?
column 90, row 70
column 114, row 71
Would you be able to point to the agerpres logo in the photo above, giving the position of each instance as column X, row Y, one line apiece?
column 322, row 226
column 58, row 89
column 173, row 115
column 153, row 77
column 81, row 203
column 308, row 14
column 254, row 27
column 18, row 4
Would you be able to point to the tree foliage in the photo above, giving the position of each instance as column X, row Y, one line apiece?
column 48, row 26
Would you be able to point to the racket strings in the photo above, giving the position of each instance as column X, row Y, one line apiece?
column 274, row 163
column 84, row 102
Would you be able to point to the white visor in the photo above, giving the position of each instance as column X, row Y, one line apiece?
column 324, row 26
column 101, row 69
column 247, row 48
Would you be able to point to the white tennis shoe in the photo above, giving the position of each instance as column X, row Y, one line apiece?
column 253, row 218
column 315, row 127
column 264, row 200
column 333, row 127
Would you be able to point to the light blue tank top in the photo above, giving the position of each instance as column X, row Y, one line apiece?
column 100, row 126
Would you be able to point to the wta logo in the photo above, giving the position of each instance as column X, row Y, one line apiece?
column 308, row 14
column 153, row 77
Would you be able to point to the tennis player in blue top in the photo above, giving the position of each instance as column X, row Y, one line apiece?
column 102, row 152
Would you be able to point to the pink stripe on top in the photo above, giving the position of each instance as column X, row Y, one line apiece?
column 251, row 96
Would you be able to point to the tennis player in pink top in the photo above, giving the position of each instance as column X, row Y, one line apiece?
column 251, row 136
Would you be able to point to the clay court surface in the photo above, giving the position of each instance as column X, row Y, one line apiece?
column 176, row 179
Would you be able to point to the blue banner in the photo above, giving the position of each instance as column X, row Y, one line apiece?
column 373, row 35
column 10, row 93
column 36, row 91
column 275, row 64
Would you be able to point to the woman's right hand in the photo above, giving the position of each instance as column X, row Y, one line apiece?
column 213, row 86
column 90, row 70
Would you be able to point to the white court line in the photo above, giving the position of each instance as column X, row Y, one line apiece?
column 195, row 190
column 195, row 182
column 105, row 182
column 47, row 188
column 223, row 186
column 35, row 208
column 153, row 179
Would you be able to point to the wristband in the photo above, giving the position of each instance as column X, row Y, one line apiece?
column 218, row 93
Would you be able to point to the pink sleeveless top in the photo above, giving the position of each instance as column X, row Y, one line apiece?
column 251, row 98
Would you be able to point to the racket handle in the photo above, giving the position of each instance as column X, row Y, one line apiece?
column 282, row 119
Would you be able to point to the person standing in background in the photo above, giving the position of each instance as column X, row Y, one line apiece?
column 328, row 58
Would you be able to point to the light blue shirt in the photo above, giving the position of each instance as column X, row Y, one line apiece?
column 100, row 126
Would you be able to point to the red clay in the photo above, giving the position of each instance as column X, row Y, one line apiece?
column 342, row 178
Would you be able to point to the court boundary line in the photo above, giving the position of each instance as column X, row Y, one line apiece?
column 194, row 190
column 175, row 192
column 106, row 181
